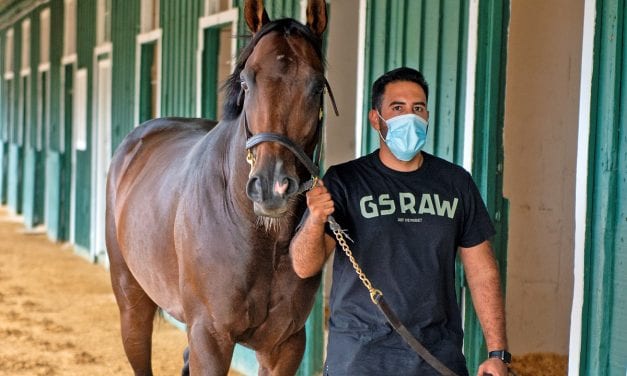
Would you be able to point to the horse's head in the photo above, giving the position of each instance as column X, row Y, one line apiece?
column 281, row 82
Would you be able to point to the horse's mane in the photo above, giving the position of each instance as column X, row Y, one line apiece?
column 287, row 27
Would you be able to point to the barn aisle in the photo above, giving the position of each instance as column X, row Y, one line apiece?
column 58, row 315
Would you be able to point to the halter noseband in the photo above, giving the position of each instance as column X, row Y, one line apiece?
column 312, row 165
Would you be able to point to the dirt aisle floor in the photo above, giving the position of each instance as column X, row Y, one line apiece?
column 58, row 315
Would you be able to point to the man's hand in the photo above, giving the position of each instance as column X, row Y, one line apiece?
column 319, row 203
column 492, row 367
column 311, row 246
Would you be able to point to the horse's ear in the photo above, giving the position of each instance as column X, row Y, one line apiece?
column 255, row 15
column 317, row 16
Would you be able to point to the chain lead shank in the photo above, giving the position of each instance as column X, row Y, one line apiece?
column 375, row 294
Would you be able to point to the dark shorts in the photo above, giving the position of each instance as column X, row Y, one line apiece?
column 384, row 352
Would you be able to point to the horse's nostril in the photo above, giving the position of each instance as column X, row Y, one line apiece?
column 254, row 190
column 292, row 186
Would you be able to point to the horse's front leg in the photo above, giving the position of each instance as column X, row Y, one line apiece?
column 210, row 353
column 284, row 359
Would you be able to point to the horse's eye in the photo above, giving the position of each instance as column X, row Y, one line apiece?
column 244, row 85
column 318, row 89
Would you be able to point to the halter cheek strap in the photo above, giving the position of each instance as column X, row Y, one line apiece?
column 255, row 140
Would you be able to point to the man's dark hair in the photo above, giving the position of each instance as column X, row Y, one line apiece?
column 398, row 74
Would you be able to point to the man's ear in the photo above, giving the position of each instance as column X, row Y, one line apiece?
column 373, row 117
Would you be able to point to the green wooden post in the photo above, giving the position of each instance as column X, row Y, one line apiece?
column 210, row 84
column 3, row 128
column 86, row 24
column 65, row 163
column 52, row 128
column 3, row 171
column 124, row 27
column 34, row 178
column 604, row 330
column 28, row 187
column 487, row 165
column 38, row 123
column 15, row 183
column 41, row 146
column 147, row 59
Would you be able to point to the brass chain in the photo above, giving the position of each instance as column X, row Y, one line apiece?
column 375, row 294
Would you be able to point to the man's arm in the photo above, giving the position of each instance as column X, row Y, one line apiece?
column 311, row 246
column 483, row 279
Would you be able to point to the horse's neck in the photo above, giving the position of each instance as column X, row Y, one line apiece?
column 235, row 168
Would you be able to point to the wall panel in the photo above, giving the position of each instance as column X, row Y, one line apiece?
column 429, row 36
column 180, row 42
column 125, row 26
column 86, row 40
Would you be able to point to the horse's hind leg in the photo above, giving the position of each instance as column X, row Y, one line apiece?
column 137, row 313
column 284, row 359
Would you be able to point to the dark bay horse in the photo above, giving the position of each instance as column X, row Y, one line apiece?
column 194, row 230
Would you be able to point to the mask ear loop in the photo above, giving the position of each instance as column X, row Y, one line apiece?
column 379, row 130
column 381, row 117
column 381, row 136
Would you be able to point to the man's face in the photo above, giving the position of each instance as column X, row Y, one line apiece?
column 400, row 98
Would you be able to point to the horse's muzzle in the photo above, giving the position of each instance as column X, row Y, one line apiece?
column 271, row 196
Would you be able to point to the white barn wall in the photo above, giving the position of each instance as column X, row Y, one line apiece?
column 540, row 138
column 342, row 60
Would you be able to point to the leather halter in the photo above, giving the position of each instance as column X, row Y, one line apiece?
column 312, row 164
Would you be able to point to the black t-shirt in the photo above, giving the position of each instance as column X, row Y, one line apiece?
column 406, row 228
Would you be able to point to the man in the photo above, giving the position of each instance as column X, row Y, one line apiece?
column 408, row 213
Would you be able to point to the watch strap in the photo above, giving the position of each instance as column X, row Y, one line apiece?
column 504, row 355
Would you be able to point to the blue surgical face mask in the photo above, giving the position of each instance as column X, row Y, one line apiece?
column 406, row 136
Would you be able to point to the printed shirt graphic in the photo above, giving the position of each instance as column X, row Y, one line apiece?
column 406, row 227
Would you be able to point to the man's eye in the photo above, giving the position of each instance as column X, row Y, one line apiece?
column 419, row 109
column 397, row 108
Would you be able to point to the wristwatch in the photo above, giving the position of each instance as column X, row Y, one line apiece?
column 505, row 356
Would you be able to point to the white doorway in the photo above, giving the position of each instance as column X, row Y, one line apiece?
column 101, row 158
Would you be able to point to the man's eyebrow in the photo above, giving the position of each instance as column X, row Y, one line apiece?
column 394, row 103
